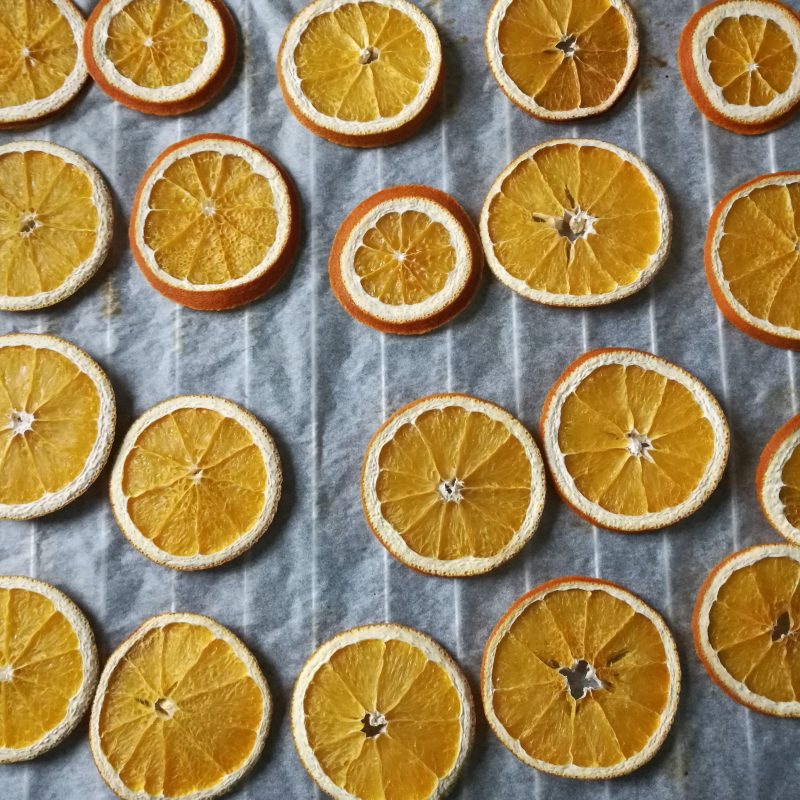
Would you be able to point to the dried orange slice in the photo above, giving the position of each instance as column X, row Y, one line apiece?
column 182, row 709
column 747, row 628
column 361, row 73
column 740, row 62
column 215, row 222
column 57, row 417
column 382, row 711
column 56, row 223
column 48, row 667
column 633, row 442
column 580, row 678
column 778, row 480
column 196, row 482
column 41, row 62
column 562, row 60
column 752, row 258
column 161, row 56
column 406, row 260
column 576, row 222
column 453, row 485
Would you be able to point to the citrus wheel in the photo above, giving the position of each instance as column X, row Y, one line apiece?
column 41, row 62
column 633, row 442
column 581, row 678
column 382, row 711
column 48, row 667
column 752, row 258
column 576, row 222
column 453, row 485
column 406, row 260
column 747, row 628
column 215, row 222
column 565, row 60
column 196, row 482
column 740, row 62
column 182, row 710
column 57, row 417
column 778, row 481
column 361, row 73
column 56, row 223
column 161, row 57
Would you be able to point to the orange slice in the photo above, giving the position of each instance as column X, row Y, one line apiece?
column 48, row 667
column 161, row 56
column 747, row 628
column 406, row 260
column 580, row 678
column 562, row 60
column 362, row 73
column 182, row 710
column 633, row 442
column 453, row 485
column 56, row 222
column 57, row 417
column 740, row 62
column 215, row 222
column 752, row 258
column 778, row 481
column 196, row 482
column 382, row 711
column 41, row 63
column 576, row 222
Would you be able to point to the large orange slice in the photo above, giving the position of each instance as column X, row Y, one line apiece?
column 778, row 480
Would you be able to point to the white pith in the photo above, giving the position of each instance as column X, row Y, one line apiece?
column 580, row 300
column 744, row 558
column 761, row 324
column 101, row 198
column 651, row 520
column 202, row 74
column 261, row 165
column 411, row 312
column 771, row 485
column 293, row 83
column 572, row 770
column 241, row 650
column 44, row 106
column 106, row 421
column 88, row 652
column 466, row 565
column 708, row 23
column 492, row 41
column 383, row 632
column 272, row 464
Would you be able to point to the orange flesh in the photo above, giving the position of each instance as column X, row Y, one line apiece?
column 49, row 413
column 760, row 253
column 180, row 713
column 211, row 218
column 194, row 482
column 575, row 219
column 37, row 51
column 454, row 483
column 48, row 222
column 361, row 62
column 751, row 60
column 754, row 627
column 790, row 491
column 157, row 43
column 405, row 258
column 41, row 668
column 634, row 441
column 565, row 54
column 534, row 702
column 415, row 741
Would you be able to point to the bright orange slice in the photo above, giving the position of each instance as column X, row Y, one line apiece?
column 382, row 712
column 563, row 59
column 580, row 678
column 747, row 628
column 778, row 480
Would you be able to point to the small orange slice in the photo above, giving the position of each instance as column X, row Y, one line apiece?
column 778, row 480
column 747, row 628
